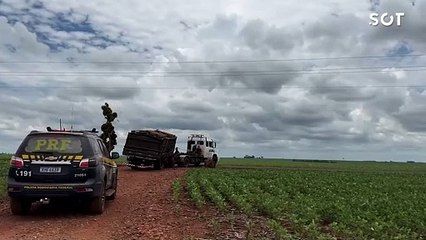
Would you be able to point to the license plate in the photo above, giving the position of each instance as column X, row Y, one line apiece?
column 50, row 169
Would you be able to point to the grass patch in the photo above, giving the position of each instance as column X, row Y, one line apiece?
column 122, row 159
column 177, row 190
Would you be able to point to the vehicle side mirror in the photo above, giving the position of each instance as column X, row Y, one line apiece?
column 115, row 155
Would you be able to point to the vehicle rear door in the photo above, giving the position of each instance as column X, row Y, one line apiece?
column 108, row 163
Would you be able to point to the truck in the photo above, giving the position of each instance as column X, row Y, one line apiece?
column 200, row 149
column 150, row 148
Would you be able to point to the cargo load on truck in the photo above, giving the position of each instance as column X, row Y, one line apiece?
column 150, row 148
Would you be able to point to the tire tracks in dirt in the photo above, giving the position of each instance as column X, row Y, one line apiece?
column 143, row 209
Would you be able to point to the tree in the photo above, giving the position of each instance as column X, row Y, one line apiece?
column 108, row 133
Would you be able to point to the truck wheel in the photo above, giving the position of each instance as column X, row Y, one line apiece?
column 20, row 206
column 170, row 163
column 186, row 162
column 214, row 161
column 97, row 204
column 158, row 165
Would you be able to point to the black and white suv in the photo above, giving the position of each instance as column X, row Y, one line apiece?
column 62, row 164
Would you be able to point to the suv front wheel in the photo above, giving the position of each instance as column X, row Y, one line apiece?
column 20, row 206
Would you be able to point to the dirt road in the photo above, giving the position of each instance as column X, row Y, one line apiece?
column 143, row 209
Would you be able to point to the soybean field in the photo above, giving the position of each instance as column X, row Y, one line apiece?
column 324, row 165
column 312, row 204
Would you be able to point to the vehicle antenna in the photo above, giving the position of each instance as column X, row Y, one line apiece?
column 72, row 115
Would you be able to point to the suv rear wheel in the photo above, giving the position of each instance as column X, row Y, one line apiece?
column 20, row 206
column 97, row 204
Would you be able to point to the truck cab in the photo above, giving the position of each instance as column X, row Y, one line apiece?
column 201, row 149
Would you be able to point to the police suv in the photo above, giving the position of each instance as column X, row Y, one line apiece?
column 62, row 164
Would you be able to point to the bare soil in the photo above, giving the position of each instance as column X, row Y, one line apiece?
column 144, row 209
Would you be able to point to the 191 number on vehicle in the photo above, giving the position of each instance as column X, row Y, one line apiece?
column 23, row 173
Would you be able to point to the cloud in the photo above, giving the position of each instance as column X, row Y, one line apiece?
column 58, row 30
column 176, row 67
column 411, row 114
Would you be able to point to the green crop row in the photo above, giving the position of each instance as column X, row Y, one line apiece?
column 331, row 165
column 4, row 164
column 321, row 205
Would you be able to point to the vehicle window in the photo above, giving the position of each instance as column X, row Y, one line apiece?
column 95, row 147
column 200, row 143
column 53, row 144
column 103, row 148
column 190, row 143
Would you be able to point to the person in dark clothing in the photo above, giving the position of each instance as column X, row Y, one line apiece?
column 176, row 155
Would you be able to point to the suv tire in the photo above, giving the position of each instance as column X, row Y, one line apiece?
column 20, row 206
column 97, row 204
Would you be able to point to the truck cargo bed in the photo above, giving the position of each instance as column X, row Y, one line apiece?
column 144, row 147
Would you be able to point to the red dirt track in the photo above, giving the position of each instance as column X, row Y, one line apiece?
column 143, row 209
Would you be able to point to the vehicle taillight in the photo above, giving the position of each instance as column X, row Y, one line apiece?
column 16, row 162
column 85, row 163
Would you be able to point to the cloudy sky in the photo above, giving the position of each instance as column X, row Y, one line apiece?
column 272, row 78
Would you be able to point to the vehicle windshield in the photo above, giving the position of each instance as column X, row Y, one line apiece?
column 49, row 143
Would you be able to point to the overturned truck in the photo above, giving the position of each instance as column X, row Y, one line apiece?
column 150, row 148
